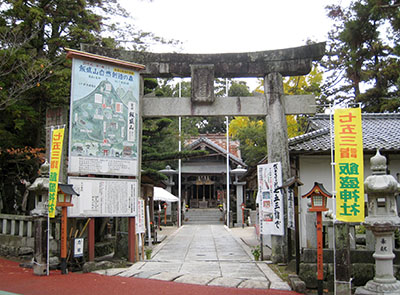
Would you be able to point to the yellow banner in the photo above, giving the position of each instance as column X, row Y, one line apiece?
column 55, row 160
column 349, row 167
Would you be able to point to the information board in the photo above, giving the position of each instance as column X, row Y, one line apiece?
column 103, row 197
column 104, row 119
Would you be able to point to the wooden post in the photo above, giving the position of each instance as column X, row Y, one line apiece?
column 297, row 229
column 320, row 253
column 131, row 239
column 143, row 237
column 63, row 263
column 91, row 239
column 137, row 247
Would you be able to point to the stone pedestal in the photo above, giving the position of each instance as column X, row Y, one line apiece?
column 384, row 281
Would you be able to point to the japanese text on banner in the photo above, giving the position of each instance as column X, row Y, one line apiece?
column 270, row 200
column 349, row 168
column 55, row 160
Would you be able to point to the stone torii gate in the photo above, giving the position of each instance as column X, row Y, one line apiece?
column 271, row 65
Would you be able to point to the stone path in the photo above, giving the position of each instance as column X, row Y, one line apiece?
column 205, row 255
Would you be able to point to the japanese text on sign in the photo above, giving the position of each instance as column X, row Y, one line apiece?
column 349, row 167
column 55, row 160
column 270, row 199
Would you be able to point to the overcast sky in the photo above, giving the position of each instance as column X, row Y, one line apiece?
column 213, row 26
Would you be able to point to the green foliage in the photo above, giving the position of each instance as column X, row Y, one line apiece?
column 256, row 251
column 251, row 133
column 35, row 74
column 239, row 88
column 16, row 167
column 363, row 55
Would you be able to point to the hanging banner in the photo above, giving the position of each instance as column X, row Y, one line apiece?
column 270, row 201
column 55, row 160
column 349, row 168
column 104, row 119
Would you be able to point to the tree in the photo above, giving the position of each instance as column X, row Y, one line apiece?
column 363, row 55
column 35, row 75
column 251, row 132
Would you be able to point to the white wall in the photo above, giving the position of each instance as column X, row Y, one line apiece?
column 318, row 169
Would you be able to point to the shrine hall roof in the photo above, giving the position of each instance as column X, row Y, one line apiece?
column 219, row 146
column 379, row 131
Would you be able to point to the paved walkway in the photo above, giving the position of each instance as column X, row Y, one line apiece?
column 211, row 255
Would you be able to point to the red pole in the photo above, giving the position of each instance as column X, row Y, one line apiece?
column 132, row 239
column 64, row 241
column 91, row 240
column 320, row 254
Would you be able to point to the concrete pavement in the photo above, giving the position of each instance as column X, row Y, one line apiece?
column 211, row 255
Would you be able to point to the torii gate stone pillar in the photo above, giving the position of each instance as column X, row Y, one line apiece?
column 203, row 68
column 278, row 150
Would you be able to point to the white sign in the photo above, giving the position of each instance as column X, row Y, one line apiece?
column 140, row 228
column 290, row 208
column 103, row 197
column 104, row 133
column 270, row 200
column 78, row 247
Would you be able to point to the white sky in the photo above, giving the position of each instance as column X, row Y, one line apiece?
column 218, row 26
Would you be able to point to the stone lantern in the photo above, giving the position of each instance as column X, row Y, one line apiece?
column 41, row 188
column 382, row 220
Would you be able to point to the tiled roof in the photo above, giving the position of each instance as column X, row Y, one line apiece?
column 216, row 147
column 379, row 131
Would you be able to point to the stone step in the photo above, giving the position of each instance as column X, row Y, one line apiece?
column 203, row 216
column 203, row 222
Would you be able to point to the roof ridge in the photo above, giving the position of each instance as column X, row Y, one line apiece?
column 364, row 115
column 309, row 135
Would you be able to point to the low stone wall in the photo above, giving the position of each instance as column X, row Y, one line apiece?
column 362, row 267
column 17, row 236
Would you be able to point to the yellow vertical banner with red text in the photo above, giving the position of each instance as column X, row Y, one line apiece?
column 349, row 165
column 55, row 162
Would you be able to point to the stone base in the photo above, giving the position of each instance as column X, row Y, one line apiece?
column 375, row 288
column 40, row 269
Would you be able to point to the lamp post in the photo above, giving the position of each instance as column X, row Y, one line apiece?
column 64, row 200
column 239, row 171
column 319, row 195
